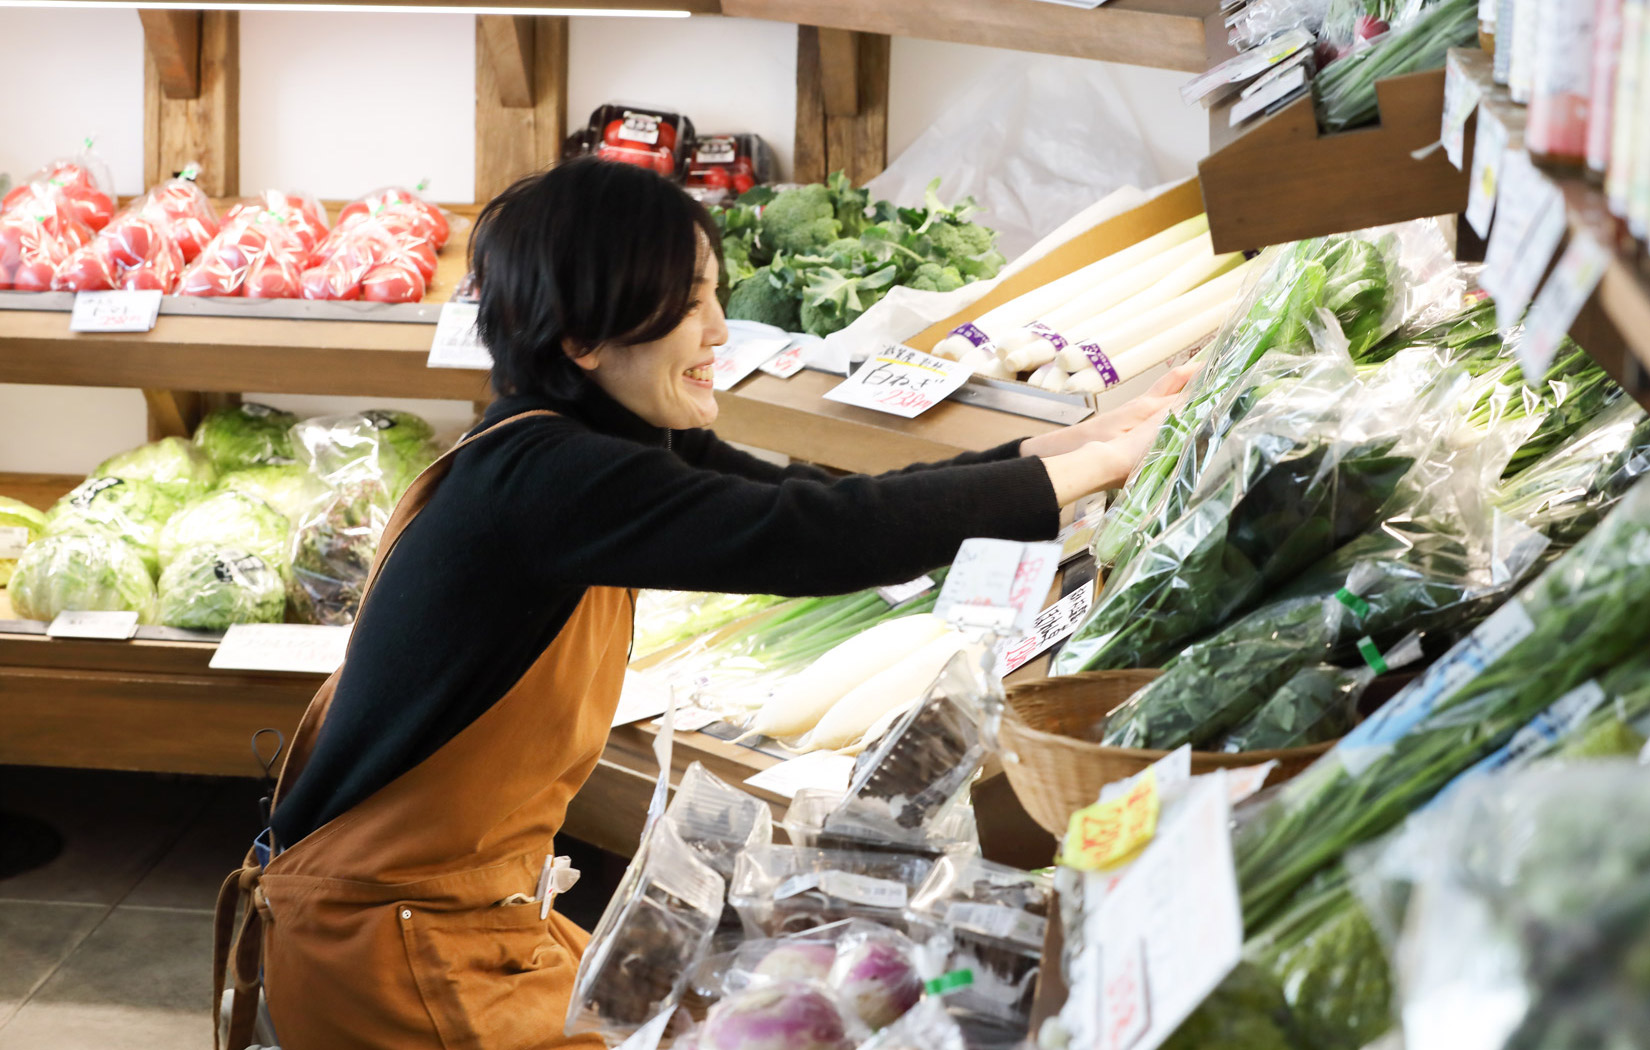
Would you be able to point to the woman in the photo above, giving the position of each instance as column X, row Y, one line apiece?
column 431, row 774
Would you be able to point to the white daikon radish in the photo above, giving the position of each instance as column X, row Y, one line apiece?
column 880, row 727
column 1050, row 377
column 1000, row 320
column 1104, row 296
column 800, row 702
column 1104, row 329
column 1146, row 354
column 982, row 362
column 908, row 680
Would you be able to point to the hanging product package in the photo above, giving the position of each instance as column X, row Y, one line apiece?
column 719, row 823
column 789, row 889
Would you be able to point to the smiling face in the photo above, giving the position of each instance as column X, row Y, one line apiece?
column 669, row 381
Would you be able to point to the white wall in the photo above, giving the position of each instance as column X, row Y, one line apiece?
column 339, row 104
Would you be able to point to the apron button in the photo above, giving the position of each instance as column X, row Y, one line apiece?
column 406, row 913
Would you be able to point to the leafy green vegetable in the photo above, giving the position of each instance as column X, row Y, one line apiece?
column 667, row 618
column 1246, row 1012
column 832, row 301
column 290, row 489
column 228, row 519
column 333, row 553
column 801, row 221
column 210, row 588
column 85, row 571
column 1345, row 91
column 766, row 297
column 20, row 525
column 1592, row 606
column 381, row 446
column 132, row 510
column 1318, row 703
column 171, row 463
column 1566, row 492
column 247, row 435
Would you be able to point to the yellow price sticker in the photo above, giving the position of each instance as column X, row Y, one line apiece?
column 1107, row 834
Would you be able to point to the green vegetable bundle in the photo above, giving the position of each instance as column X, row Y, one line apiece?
column 667, row 618
column 1566, row 492
column 1345, row 90
column 1319, row 703
column 228, row 519
column 1586, row 613
column 82, row 571
column 816, row 257
column 333, row 550
column 1356, row 280
column 381, row 448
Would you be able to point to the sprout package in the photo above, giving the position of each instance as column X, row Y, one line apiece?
column 82, row 571
column 211, row 588
column 789, row 889
column 121, row 508
column 171, row 463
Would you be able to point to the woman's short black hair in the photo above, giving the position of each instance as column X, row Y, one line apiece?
column 588, row 253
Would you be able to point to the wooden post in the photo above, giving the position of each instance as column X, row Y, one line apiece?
column 841, row 104
column 204, row 127
column 173, row 37
column 521, row 97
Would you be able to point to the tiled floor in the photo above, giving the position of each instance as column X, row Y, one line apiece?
column 109, row 946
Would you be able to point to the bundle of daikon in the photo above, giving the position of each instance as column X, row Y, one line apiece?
column 1111, row 320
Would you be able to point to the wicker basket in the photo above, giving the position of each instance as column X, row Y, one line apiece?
column 1055, row 772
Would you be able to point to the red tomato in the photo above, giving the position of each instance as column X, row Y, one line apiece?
column 270, row 279
column 422, row 253
column 85, row 271
column 717, row 178
column 438, row 221
column 351, row 209
column 145, row 278
column 11, row 244
column 610, row 135
column 742, row 163
column 14, row 197
column 328, row 282
column 5, row 277
column 667, row 135
column 33, row 275
column 664, row 162
column 393, row 282
column 93, row 208
column 742, row 183
column 208, row 277
column 130, row 241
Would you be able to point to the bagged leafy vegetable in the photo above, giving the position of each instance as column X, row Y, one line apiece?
column 1588, row 611
column 171, row 463
column 378, row 447
column 1565, row 493
column 1246, row 1010
column 130, row 510
column 228, row 519
column 1345, row 91
column 82, row 571
column 248, row 435
column 290, row 489
column 210, row 588
column 1316, row 704
column 332, row 552
column 20, row 525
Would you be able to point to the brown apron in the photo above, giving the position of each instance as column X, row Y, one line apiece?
column 385, row 928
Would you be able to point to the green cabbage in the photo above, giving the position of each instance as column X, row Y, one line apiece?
column 228, row 519
column 210, row 588
column 380, row 445
column 333, row 553
column 290, row 489
column 242, row 436
column 172, row 463
column 93, row 571
column 20, row 525
column 127, row 509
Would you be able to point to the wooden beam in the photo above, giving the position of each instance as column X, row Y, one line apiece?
column 855, row 143
column 509, row 43
column 203, row 129
column 515, row 140
column 172, row 413
column 839, row 71
column 173, row 38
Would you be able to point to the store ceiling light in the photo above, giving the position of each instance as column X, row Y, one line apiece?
column 301, row 5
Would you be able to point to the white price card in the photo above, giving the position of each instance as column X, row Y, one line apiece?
column 456, row 343
column 738, row 358
column 297, row 647
column 692, row 719
column 1289, row 82
column 13, row 538
column 1572, row 283
column 901, row 381
column 1053, row 624
column 997, row 584
column 1461, row 97
column 900, row 593
column 1530, row 224
column 114, row 311
column 640, row 698
column 1488, row 149
column 106, row 626
column 788, row 363
column 825, row 770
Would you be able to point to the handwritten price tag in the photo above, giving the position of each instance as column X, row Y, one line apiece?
column 1578, row 272
column 1053, row 624
column 997, row 584
column 1106, row 834
column 456, row 343
column 114, row 311
column 304, row 648
column 1127, row 1006
column 786, row 364
column 901, row 381
column 106, row 626
column 740, row 357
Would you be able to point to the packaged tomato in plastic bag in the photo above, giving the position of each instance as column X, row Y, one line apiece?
column 253, row 239
column 83, row 181
column 721, row 166
column 132, row 253
column 36, row 204
column 347, row 260
column 273, row 277
column 29, row 256
column 374, row 203
column 182, row 210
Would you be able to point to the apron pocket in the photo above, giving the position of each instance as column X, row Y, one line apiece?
column 491, row 978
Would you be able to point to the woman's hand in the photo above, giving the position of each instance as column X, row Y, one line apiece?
column 1101, row 465
column 1107, row 426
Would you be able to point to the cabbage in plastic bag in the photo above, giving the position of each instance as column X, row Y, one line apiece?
column 332, row 553
column 228, row 519
column 172, row 463
column 20, row 525
column 250, row 435
column 380, row 445
column 290, row 489
column 127, row 509
column 86, row 571
column 210, row 588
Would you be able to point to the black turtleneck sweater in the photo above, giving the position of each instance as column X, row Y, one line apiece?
column 487, row 574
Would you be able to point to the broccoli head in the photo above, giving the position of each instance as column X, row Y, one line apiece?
column 932, row 277
column 763, row 297
column 971, row 248
column 800, row 221
column 833, row 300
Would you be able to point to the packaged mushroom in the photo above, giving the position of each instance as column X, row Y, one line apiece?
column 719, row 822
column 780, row 890
column 804, row 823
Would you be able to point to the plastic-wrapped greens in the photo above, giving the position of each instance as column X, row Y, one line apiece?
column 82, row 571
column 290, row 489
column 228, row 519
column 211, row 588
column 247, row 435
column 1316, row 704
column 130, row 510
column 20, row 525
column 171, row 463
column 332, row 552
column 379, row 446
column 1565, row 493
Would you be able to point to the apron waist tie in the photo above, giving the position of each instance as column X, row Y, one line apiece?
column 241, row 949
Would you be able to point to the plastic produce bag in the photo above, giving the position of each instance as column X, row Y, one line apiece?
column 135, row 252
column 1565, row 493
column 383, row 249
column 86, row 571
column 1316, row 704
column 876, row 974
column 82, row 180
column 658, row 924
column 236, row 437
column 332, row 551
column 261, row 249
column 228, row 519
column 291, row 489
column 20, row 525
column 181, row 210
column 719, row 822
column 926, row 1026
column 783, row 1015
column 382, row 448
column 789, row 889
column 134, row 511
column 171, row 463
column 210, row 588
